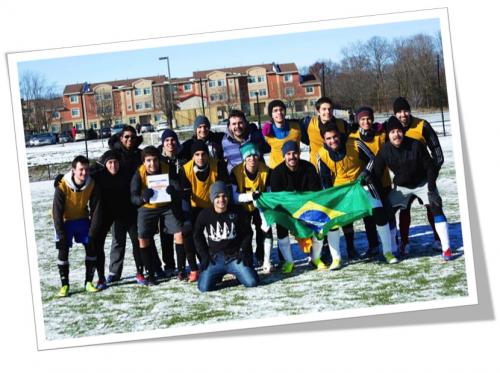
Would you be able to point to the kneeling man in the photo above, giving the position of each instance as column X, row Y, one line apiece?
column 227, row 247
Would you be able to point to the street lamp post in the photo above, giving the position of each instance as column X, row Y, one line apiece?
column 258, row 108
column 85, row 88
column 171, row 103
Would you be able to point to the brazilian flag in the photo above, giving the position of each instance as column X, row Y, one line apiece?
column 306, row 214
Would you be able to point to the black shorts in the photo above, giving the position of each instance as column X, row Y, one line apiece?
column 148, row 219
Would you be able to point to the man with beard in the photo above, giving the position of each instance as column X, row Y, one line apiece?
column 202, row 132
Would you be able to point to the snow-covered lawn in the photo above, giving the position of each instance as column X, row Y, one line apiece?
column 127, row 307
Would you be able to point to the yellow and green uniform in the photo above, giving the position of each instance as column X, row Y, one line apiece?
column 245, row 184
column 76, row 201
column 143, row 176
column 316, row 140
column 375, row 145
column 415, row 130
column 276, row 157
column 348, row 168
column 200, row 190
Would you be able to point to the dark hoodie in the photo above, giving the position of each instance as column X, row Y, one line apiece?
column 130, row 159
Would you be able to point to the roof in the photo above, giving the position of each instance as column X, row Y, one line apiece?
column 282, row 68
column 77, row 88
column 309, row 79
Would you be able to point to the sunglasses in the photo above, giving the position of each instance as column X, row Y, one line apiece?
column 129, row 136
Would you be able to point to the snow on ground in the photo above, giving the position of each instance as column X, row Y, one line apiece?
column 127, row 307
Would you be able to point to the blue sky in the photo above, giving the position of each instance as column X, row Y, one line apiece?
column 303, row 48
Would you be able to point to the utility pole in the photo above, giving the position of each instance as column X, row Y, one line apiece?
column 258, row 109
column 85, row 88
column 171, row 97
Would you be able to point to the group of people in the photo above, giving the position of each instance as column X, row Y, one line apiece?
column 214, row 180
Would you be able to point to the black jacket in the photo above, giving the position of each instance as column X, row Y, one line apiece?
column 228, row 233
column 410, row 163
column 305, row 179
column 130, row 159
column 213, row 141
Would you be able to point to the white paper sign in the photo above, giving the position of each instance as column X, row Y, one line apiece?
column 159, row 184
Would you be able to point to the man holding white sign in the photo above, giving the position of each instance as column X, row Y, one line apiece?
column 151, row 192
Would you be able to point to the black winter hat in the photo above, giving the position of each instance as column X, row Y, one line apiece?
column 169, row 133
column 363, row 112
column 289, row 146
column 400, row 104
column 393, row 123
column 273, row 104
column 109, row 155
column 198, row 145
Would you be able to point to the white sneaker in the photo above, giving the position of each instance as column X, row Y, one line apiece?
column 267, row 268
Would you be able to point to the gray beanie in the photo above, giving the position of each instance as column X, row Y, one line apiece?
column 201, row 119
column 216, row 188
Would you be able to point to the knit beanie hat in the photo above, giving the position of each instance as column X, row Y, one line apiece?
column 364, row 111
column 201, row 119
column 290, row 145
column 400, row 104
column 169, row 133
column 109, row 155
column 249, row 149
column 273, row 104
column 217, row 188
column 198, row 145
column 393, row 123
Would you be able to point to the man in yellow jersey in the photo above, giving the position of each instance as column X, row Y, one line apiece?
column 150, row 212
column 420, row 130
column 373, row 137
column 344, row 160
column 74, row 195
column 196, row 176
column 280, row 130
column 249, row 179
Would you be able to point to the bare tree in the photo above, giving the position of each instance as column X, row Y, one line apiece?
column 34, row 92
column 163, row 101
column 104, row 105
column 378, row 51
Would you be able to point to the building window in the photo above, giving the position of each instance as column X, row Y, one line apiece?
column 138, row 92
column 148, row 105
column 289, row 91
column 56, row 115
column 131, row 120
column 309, row 90
column 221, row 83
column 103, row 96
column 147, row 91
column 157, row 117
column 222, row 97
column 139, row 106
column 75, row 112
column 213, row 97
column 252, row 79
column 287, row 78
column 73, row 99
column 79, row 126
column 129, row 107
column 212, row 83
column 263, row 92
column 93, row 125
column 188, row 87
column 261, row 78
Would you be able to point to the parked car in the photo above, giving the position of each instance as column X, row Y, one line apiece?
column 105, row 132
column 65, row 137
column 147, row 128
column 223, row 122
column 91, row 135
column 162, row 126
column 117, row 128
column 80, row 135
column 27, row 138
column 43, row 139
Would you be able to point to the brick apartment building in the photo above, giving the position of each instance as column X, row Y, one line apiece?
column 147, row 99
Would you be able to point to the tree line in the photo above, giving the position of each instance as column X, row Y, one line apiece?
column 377, row 71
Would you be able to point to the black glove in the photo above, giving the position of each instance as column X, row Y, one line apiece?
column 172, row 191
column 205, row 261
column 246, row 259
column 58, row 180
column 256, row 195
column 434, row 198
column 61, row 243
column 147, row 194
column 365, row 177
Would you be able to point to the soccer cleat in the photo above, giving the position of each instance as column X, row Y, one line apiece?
column 161, row 275
column 169, row 272
column 101, row 285
column 182, row 276
column 63, row 292
column 404, row 250
column 336, row 264
column 111, row 278
column 390, row 259
column 90, row 288
column 320, row 266
column 139, row 278
column 267, row 268
column 193, row 276
column 287, row 267
column 151, row 280
column 447, row 255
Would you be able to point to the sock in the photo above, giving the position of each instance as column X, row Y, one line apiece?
column 384, row 233
column 404, row 226
column 430, row 218
column 180, row 252
column 334, row 244
column 146, row 259
column 90, row 264
column 442, row 230
column 63, row 272
column 286, row 251
column 268, row 245
column 394, row 244
column 316, row 248
column 349, row 242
